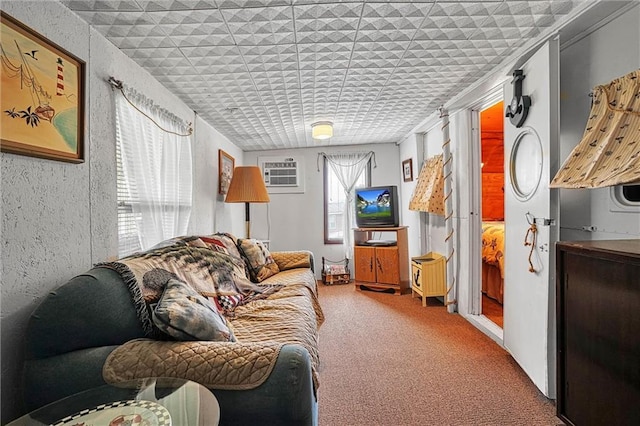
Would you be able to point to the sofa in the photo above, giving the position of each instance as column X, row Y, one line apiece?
column 105, row 327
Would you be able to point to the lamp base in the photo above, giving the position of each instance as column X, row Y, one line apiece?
column 247, row 220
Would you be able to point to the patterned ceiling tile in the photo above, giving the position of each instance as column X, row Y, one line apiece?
column 324, row 55
column 116, row 17
column 322, row 79
column 327, row 23
column 173, row 18
column 173, row 57
column 95, row 5
column 462, row 9
column 153, row 5
column 148, row 42
column 237, row 4
column 260, row 26
column 383, row 22
column 222, row 54
column 261, row 71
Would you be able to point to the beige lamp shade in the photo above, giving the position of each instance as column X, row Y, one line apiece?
column 322, row 130
column 247, row 186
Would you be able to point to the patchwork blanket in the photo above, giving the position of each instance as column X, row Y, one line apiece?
column 211, row 273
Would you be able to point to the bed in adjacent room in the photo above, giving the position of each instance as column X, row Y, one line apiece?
column 493, row 260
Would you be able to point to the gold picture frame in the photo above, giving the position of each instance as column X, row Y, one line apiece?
column 226, row 164
column 407, row 170
column 42, row 99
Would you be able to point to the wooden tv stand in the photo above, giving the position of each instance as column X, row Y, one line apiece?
column 379, row 265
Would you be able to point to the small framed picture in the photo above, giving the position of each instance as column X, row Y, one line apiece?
column 407, row 170
column 226, row 163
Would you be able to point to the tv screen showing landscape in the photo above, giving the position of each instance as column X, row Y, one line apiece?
column 374, row 204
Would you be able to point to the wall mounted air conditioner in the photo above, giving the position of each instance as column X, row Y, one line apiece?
column 282, row 174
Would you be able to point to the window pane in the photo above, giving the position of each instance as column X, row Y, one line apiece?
column 128, row 221
column 334, row 198
column 631, row 193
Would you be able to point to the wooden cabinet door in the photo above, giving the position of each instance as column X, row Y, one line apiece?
column 364, row 258
column 387, row 265
column 597, row 328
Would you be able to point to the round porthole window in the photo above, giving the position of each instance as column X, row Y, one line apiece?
column 525, row 165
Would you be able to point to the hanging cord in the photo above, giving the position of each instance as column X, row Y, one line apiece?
column 447, row 164
column 533, row 231
column 117, row 84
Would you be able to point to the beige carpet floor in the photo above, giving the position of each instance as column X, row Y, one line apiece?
column 386, row 360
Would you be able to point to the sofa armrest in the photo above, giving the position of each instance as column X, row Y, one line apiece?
column 280, row 389
column 293, row 259
column 46, row 380
column 205, row 362
column 286, row 397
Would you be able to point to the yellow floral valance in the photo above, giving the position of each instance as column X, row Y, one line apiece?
column 609, row 152
column 428, row 195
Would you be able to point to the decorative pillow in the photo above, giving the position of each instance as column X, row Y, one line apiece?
column 259, row 260
column 186, row 315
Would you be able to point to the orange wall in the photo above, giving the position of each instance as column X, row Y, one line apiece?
column 492, row 150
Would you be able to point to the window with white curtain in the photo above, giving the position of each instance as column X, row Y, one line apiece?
column 334, row 199
column 154, row 173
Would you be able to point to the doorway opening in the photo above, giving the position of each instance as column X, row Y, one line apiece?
column 491, row 123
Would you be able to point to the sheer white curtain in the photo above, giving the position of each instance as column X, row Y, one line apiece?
column 156, row 166
column 347, row 168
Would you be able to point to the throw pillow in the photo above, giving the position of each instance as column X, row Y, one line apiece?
column 259, row 260
column 186, row 315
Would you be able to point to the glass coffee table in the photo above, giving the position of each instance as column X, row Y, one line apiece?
column 148, row 402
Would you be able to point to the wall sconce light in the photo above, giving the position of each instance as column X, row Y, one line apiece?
column 322, row 130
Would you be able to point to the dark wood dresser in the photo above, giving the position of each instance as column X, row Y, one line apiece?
column 598, row 332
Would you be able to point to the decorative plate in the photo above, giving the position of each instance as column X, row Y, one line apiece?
column 120, row 413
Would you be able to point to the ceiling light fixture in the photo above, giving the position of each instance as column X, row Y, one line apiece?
column 322, row 130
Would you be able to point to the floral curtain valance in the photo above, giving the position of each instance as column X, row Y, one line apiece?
column 609, row 152
column 428, row 195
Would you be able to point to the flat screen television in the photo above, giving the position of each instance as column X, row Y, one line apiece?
column 377, row 207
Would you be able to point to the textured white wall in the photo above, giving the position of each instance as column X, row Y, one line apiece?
column 46, row 231
column 58, row 219
column 411, row 148
column 210, row 213
column 297, row 219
